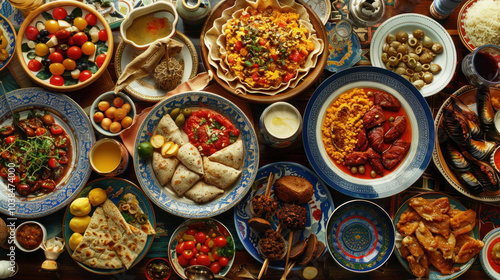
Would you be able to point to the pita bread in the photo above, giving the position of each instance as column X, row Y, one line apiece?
column 190, row 156
column 202, row 192
column 97, row 247
column 169, row 130
column 130, row 241
column 163, row 168
column 183, row 179
column 132, row 201
column 231, row 155
column 218, row 174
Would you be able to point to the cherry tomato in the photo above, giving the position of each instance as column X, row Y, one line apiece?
column 88, row 48
column 31, row 32
column 180, row 248
column 52, row 26
column 200, row 237
column 62, row 49
column 59, row 13
column 34, row 65
column 14, row 180
column 62, row 141
column 85, row 75
column 224, row 261
column 23, row 189
column 74, row 52
column 56, row 57
column 203, row 260
column 193, row 261
column 11, row 139
column 182, row 261
column 53, row 163
column 79, row 38
column 216, row 256
column 103, row 35
column 49, row 184
column 40, row 131
column 100, row 60
column 220, row 241
column 188, row 254
column 80, row 23
column 204, row 249
column 57, row 80
column 56, row 69
column 63, row 160
column 91, row 19
column 4, row 172
column 69, row 64
column 191, row 231
column 56, row 129
column 30, row 132
column 215, row 267
column 189, row 245
column 41, row 49
column 62, row 36
column 6, row 155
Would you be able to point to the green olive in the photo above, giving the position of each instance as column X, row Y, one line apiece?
column 186, row 112
column 391, row 119
column 361, row 169
column 373, row 173
column 354, row 170
column 370, row 93
column 179, row 121
column 175, row 112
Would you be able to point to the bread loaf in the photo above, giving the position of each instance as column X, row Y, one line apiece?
column 293, row 189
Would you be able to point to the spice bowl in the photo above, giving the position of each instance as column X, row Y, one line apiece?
column 158, row 269
column 35, row 241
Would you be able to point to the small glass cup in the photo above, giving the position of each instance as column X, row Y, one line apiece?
column 108, row 157
column 481, row 67
column 341, row 34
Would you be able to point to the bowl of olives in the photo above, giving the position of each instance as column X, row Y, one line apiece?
column 111, row 113
column 158, row 269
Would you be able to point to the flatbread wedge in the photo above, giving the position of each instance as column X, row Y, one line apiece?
column 141, row 221
column 231, row 155
column 168, row 129
column 219, row 174
column 97, row 247
column 183, row 179
column 202, row 192
column 163, row 168
column 190, row 156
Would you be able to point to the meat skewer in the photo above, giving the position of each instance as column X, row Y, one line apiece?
column 265, row 265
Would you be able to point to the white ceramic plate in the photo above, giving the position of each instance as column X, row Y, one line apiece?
column 408, row 23
column 488, row 240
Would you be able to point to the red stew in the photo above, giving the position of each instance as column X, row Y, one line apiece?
column 495, row 264
column 496, row 158
column 210, row 131
column 30, row 236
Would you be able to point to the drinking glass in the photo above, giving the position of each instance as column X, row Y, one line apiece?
column 341, row 34
column 481, row 67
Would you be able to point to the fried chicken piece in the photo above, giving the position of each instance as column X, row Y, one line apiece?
column 425, row 237
column 453, row 212
column 425, row 209
column 467, row 248
column 446, row 245
column 437, row 260
column 417, row 268
column 403, row 250
column 442, row 227
column 442, row 203
column 463, row 222
column 413, row 246
column 408, row 222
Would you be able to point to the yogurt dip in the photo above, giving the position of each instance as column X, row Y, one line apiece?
column 280, row 124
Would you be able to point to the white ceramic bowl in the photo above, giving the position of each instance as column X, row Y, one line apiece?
column 109, row 96
column 157, row 7
column 44, row 232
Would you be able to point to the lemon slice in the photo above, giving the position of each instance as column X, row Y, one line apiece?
column 157, row 141
column 165, row 147
column 173, row 150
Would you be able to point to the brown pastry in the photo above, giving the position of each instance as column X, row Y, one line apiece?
column 293, row 189
column 309, row 253
column 259, row 224
column 320, row 248
column 298, row 249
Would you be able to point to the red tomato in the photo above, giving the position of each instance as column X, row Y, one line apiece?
column 74, row 52
column 23, row 189
column 56, row 129
column 274, row 57
column 238, row 46
column 295, row 56
column 203, row 260
column 204, row 249
column 62, row 49
column 189, row 245
column 208, row 241
column 262, row 41
column 70, row 41
column 34, row 65
column 63, row 160
column 288, row 77
column 49, row 184
column 85, row 75
column 182, row 261
column 224, row 261
column 200, row 237
column 179, row 248
column 14, row 180
column 4, row 172
column 57, row 80
column 53, row 162
column 103, row 35
column 91, row 19
column 40, row 131
column 220, row 241
column 193, row 261
column 30, row 132
column 255, row 76
column 56, row 57
column 11, row 139
column 215, row 267
column 188, row 254
column 79, row 38
column 6, row 155
column 31, row 32
column 59, row 13
column 215, row 255
column 191, row 231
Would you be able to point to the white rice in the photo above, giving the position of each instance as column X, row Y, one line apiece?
column 482, row 23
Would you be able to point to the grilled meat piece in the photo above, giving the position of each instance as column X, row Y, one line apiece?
column 376, row 139
column 355, row 158
column 362, row 143
column 374, row 117
column 395, row 153
column 387, row 101
column 375, row 161
column 396, row 130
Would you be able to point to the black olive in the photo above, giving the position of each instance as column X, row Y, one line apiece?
column 39, row 37
column 69, row 18
column 46, row 62
column 45, row 39
column 44, row 32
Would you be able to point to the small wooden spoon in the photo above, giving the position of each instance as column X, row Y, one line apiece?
column 269, row 185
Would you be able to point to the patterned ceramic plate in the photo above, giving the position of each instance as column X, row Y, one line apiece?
column 10, row 33
column 346, row 57
column 322, row 8
column 318, row 209
column 168, row 200
column 489, row 266
column 74, row 121
column 434, row 274
column 145, row 88
column 419, row 114
column 360, row 236
column 408, row 23
column 116, row 188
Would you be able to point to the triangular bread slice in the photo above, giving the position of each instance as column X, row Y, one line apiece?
column 130, row 241
column 96, row 249
column 218, row 174
column 202, row 192
column 190, row 156
column 163, row 168
column 231, row 155
column 298, row 249
column 169, row 130
column 183, row 179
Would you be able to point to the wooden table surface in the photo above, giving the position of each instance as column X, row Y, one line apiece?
column 328, row 269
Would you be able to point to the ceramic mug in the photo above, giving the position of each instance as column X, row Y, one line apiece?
column 481, row 67
column 280, row 124
column 109, row 157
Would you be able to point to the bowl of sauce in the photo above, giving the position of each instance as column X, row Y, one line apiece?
column 30, row 236
column 108, row 157
column 280, row 124
column 147, row 24
column 490, row 254
column 158, row 269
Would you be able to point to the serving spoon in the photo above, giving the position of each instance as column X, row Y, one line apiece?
column 200, row 272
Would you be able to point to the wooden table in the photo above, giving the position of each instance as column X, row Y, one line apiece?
column 328, row 269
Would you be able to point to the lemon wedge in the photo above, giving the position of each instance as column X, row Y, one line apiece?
column 169, row 149
column 157, row 141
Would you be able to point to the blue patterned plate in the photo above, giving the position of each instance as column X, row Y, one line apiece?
column 346, row 57
column 420, row 117
column 168, row 200
column 488, row 266
column 116, row 188
column 10, row 33
column 360, row 236
column 319, row 209
column 73, row 119
column 434, row 274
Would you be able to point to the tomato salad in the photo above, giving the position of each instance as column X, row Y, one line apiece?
column 65, row 48
column 37, row 163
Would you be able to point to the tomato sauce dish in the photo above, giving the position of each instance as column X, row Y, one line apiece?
column 29, row 236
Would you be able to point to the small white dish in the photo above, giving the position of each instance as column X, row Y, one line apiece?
column 280, row 124
column 44, row 237
column 109, row 96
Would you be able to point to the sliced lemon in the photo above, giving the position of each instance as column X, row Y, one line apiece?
column 165, row 147
column 157, row 141
column 173, row 150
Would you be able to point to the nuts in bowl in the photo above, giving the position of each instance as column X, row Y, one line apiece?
column 111, row 113
column 64, row 45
